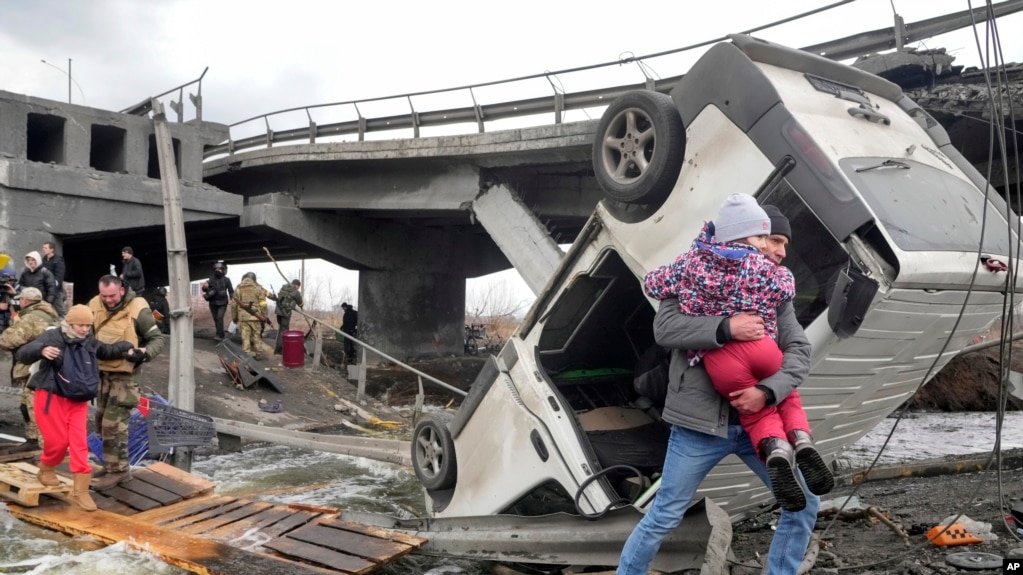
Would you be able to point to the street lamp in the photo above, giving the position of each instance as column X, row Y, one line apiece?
column 69, row 79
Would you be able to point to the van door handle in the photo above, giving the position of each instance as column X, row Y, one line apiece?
column 870, row 115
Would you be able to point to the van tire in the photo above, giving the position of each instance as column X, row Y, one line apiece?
column 643, row 125
column 433, row 452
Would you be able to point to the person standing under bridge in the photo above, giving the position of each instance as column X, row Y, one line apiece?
column 55, row 263
column 349, row 326
column 288, row 298
column 218, row 291
column 131, row 271
column 249, row 310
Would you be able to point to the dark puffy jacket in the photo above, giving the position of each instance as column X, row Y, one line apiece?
column 218, row 290
column 41, row 279
column 59, row 337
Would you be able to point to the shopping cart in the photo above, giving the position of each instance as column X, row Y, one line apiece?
column 168, row 427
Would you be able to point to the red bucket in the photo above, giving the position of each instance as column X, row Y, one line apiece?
column 293, row 348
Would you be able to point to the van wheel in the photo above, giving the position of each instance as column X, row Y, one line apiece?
column 639, row 148
column 433, row 452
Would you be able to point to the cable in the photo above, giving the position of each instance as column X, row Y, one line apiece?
column 1007, row 319
column 594, row 477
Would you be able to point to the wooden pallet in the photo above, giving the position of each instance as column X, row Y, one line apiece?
column 18, row 483
column 153, row 487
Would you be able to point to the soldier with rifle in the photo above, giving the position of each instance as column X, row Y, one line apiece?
column 248, row 307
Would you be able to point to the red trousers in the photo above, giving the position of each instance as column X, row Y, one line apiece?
column 740, row 365
column 63, row 426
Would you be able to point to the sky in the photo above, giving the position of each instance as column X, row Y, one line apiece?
column 268, row 55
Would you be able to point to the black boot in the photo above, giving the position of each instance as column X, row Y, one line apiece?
column 780, row 459
column 816, row 473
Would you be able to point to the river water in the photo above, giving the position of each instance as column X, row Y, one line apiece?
column 286, row 475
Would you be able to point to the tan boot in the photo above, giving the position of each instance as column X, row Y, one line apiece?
column 47, row 475
column 80, row 492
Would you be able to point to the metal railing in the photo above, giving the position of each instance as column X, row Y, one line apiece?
column 557, row 103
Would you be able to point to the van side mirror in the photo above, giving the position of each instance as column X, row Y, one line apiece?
column 850, row 299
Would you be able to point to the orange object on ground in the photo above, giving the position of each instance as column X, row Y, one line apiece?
column 956, row 534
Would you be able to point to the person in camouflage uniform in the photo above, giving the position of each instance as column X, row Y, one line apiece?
column 287, row 300
column 35, row 316
column 249, row 309
column 120, row 315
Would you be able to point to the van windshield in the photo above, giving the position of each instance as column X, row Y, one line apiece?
column 925, row 209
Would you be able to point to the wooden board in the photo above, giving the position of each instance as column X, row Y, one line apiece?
column 293, row 520
column 208, row 514
column 18, row 483
column 133, row 500
column 321, row 555
column 20, row 456
column 189, row 552
column 247, row 510
column 184, row 509
column 183, row 490
column 158, row 494
column 358, row 544
column 233, row 531
column 170, row 472
column 112, row 505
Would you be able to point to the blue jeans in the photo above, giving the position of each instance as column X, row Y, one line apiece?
column 691, row 456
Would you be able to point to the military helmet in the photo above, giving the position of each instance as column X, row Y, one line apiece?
column 220, row 265
column 250, row 275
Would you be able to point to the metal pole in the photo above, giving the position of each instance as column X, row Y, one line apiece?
column 181, row 385
column 69, row 80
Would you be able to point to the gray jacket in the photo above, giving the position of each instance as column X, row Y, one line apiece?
column 692, row 401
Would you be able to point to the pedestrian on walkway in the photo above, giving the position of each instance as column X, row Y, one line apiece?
column 63, row 420
column 119, row 315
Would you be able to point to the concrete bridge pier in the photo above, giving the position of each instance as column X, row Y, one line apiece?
column 419, row 312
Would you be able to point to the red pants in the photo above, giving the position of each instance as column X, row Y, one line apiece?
column 63, row 425
column 740, row 365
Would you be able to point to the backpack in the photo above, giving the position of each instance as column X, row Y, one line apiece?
column 78, row 376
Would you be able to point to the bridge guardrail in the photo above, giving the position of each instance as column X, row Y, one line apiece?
column 559, row 102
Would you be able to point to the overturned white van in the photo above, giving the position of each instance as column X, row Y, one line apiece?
column 900, row 255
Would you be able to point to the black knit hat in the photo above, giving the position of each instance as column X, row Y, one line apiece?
column 127, row 250
column 779, row 223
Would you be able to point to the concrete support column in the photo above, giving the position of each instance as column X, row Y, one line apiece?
column 411, row 313
column 522, row 238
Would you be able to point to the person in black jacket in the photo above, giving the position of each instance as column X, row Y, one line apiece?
column 37, row 276
column 62, row 421
column 55, row 263
column 350, row 326
column 131, row 271
column 218, row 291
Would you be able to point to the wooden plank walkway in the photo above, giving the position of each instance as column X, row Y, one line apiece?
column 175, row 515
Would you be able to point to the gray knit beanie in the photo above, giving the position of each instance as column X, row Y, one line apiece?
column 739, row 218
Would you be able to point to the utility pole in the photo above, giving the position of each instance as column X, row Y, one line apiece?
column 69, row 80
column 181, row 384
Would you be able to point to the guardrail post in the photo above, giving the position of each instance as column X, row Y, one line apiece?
column 420, row 397
column 312, row 127
column 360, row 370
column 559, row 106
column 362, row 123
column 317, row 347
column 478, row 110
column 269, row 133
column 415, row 118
